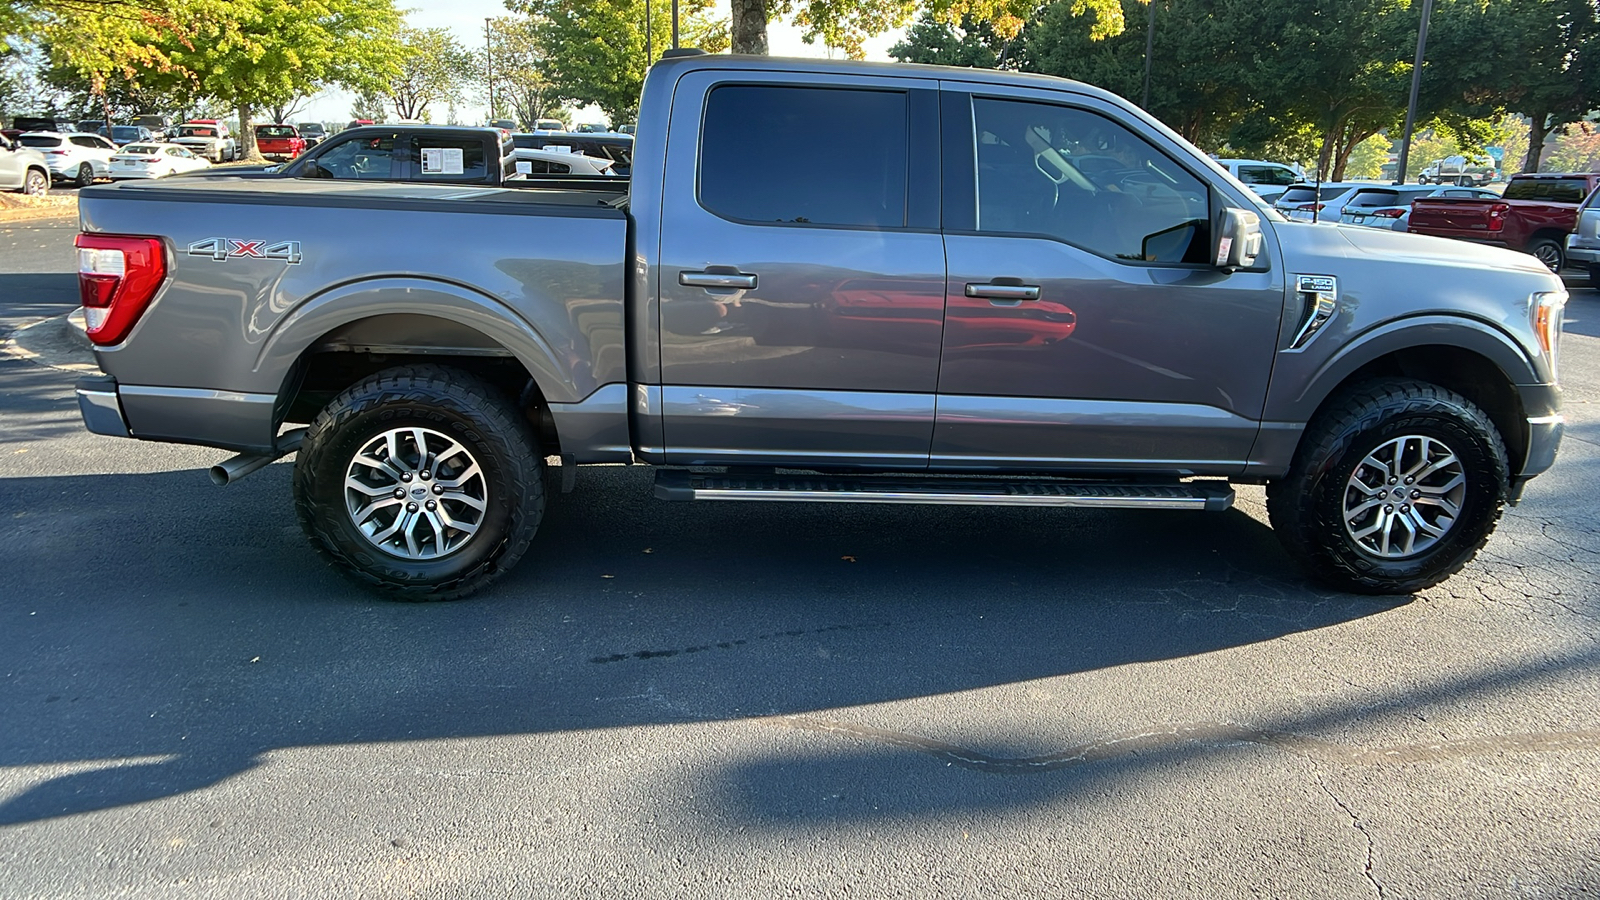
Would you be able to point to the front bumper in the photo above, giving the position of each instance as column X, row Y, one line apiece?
column 1541, row 403
column 101, row 407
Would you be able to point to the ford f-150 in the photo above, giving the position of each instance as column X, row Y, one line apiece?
column 1003, row 289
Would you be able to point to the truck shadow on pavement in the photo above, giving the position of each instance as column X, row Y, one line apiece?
column 162, row 635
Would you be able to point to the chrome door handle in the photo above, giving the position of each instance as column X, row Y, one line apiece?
column 1004, row 291
column 717, row 280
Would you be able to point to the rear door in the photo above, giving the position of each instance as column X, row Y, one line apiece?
column 1084, row 324
column 802, row 271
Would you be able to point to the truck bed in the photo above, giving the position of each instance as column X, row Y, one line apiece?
column 260, row 272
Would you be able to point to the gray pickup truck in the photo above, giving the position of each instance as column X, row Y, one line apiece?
column 994, row 289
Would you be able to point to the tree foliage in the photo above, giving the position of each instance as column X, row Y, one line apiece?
column 595, row 49
column 522, row 82
column 932, row 40
column 432, row 68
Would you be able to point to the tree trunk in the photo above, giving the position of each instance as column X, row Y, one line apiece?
column 1537, row 131
column 749, row 26
column 1347, row 145
column 245, row 140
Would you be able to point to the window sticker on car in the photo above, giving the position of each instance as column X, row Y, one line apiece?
column 224, row 249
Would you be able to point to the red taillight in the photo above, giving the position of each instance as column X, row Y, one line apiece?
column 1497, row 216
column 118, row 276
column 1391, row 213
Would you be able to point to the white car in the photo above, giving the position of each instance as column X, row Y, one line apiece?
column 153, row 161
column 80, row 158
column 559, row 161
column 1390, row 206
column 1323, row 204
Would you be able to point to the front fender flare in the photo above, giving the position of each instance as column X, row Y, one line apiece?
column 1416, row 331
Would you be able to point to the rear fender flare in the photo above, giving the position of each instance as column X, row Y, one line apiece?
column 473, row 309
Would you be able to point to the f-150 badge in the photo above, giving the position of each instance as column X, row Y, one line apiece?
column 224, row 249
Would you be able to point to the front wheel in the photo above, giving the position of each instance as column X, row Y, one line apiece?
column 422, row 481
column 1548, row 252
column 36, row 183
column 1396, row 486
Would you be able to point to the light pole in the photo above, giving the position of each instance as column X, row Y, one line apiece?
column 674, row 24
column 488, row 58
column 1416, row 84
column 1149, row 48
column 649, row 49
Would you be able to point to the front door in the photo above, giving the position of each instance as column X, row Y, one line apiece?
column 802, row 272
column 1084, row 324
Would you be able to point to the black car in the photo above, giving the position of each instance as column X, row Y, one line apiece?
column 616, row 147
column 313, row 132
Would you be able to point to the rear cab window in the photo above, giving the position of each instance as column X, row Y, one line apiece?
column 367, row 157
column 1551, row 190
column 39, row 140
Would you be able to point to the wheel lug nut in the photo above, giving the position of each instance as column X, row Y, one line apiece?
column 432, row 505
column 399, row 493
column 1393, row 479
column 425, row 476
column 1409, row 479
column 1405, row 508
column 438, row 489
column 411, row 507
column 1415, row 494
column 1388, row 509
column 405, row 476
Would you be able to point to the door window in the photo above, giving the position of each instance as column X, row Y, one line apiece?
column 1275, row 175
column 1082, row 178
column 361, row 158
column 769, row 155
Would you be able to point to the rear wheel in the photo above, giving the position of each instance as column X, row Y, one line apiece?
column 1464, row 181
column 1548, row 252
column 421, row 481
column 1396, row 486
column 85, row 175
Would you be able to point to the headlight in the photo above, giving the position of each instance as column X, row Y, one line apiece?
column 1545, row 310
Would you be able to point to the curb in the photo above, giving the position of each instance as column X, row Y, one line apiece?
column 54, row 343
column 28, row 214
column 79, row 328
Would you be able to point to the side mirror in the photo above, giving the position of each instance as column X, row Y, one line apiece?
column 1238, row 239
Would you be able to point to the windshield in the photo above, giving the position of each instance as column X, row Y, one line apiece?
column 274, row 131
column 311, row 129
column 197, row 131
column 39, row 140
column 1554, row 190
column 124, row 132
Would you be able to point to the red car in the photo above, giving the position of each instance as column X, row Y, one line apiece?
column 279, row 141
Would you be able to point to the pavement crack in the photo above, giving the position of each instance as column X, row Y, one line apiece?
column 1355, row 822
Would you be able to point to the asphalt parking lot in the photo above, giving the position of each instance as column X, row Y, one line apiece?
column 746, row 700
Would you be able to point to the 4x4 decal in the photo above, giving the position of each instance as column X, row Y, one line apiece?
column 224, row 249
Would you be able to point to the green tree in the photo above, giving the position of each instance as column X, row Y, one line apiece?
column 433, row 68
column 1199, row 82
column 520, row 70
column 1577, row 149
column 1548, row 55
column 933, row 41
column 595, row 49
column 369, row 105
column 1368, row 158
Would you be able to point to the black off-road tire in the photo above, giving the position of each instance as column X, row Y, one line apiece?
column 450, row 402
column 1307, row 506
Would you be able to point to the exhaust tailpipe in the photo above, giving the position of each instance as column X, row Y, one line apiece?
column 230, row 470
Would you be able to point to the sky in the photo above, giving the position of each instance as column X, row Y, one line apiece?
column 465, row 18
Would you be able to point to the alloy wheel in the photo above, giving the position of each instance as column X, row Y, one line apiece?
column 1404, row 497
column 415, row 493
